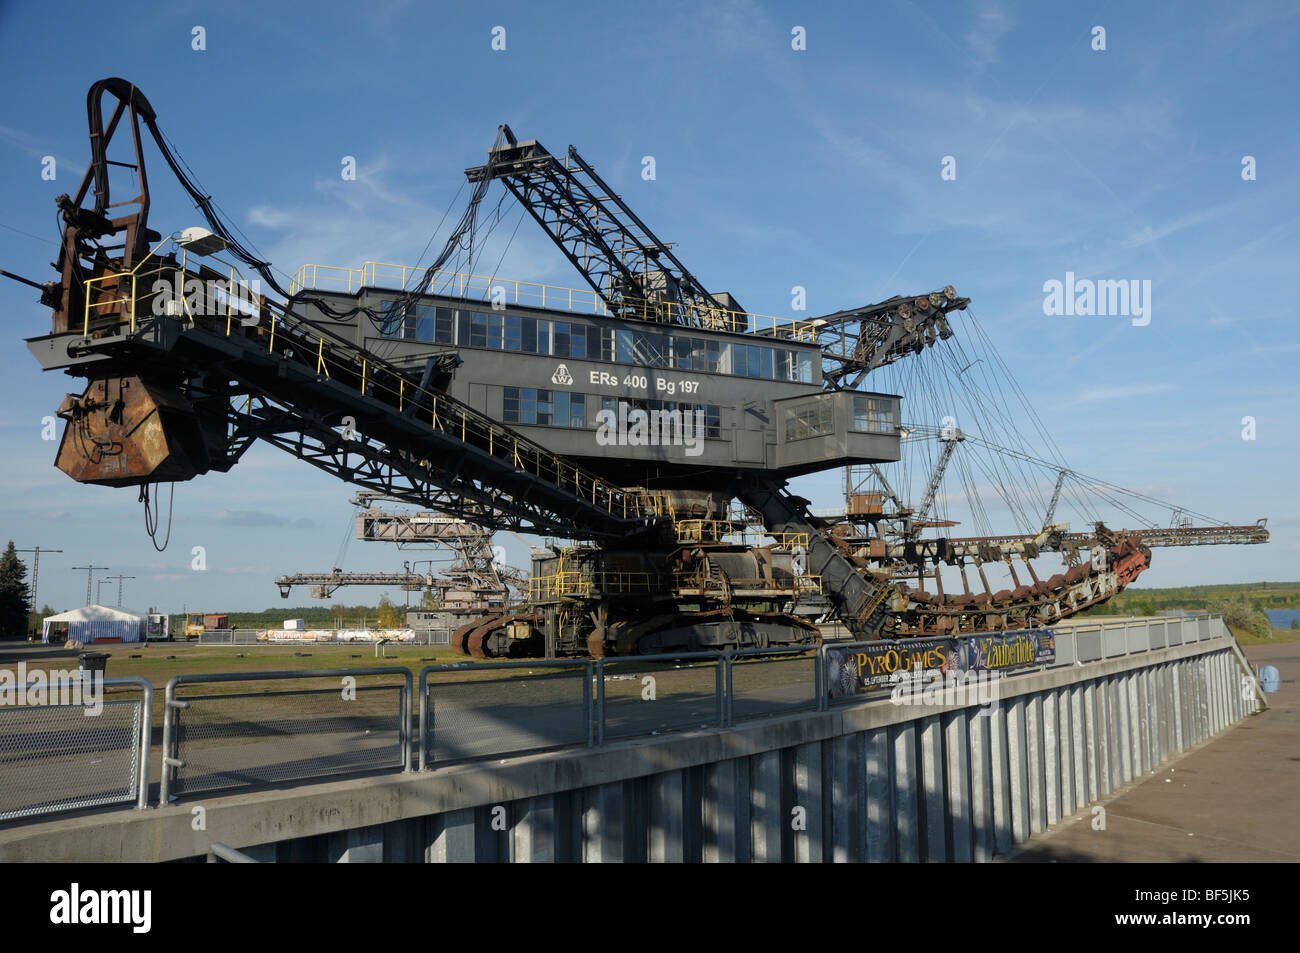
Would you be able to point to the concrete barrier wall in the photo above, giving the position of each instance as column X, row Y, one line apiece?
column 868, row 782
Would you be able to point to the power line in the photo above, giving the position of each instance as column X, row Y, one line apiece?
column 119, row 577
column 90, row 574
column 36, row 569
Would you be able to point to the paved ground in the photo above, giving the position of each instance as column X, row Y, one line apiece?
column 1232, row 799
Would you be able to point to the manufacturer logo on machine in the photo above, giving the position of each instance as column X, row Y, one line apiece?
column 562, row 377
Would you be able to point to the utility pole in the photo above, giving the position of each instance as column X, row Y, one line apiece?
column 90, row 574
column 36, row 569
column 119, row 577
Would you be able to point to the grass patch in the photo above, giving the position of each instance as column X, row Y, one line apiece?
column 1245, row 637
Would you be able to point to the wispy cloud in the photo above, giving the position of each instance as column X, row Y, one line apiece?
column 259, row 519
column 1122, row 392
column 991, row 23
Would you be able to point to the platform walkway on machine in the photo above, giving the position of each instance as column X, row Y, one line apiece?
column 1231, row 799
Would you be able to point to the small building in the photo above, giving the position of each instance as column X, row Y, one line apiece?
column 94, row 624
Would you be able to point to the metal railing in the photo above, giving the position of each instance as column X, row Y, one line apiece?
column 113, row 299
column 1090, row 642
column 481, row 718
column 581, row 584
column 1074, row 645
column 64, row 757
column 229, row 637
column 798, row 687
column 220, row 853
column 336, row 356
column 647, row 699
column 373, row 274
column 227, row 740
column 223, row 740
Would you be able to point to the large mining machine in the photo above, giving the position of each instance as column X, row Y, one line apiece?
column 643, row 422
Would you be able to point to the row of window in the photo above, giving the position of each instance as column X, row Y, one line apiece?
column 712, row 412
column 554, row 408
column 511, row 332
column 560, row 408
column 816, row 418
column 873, row 415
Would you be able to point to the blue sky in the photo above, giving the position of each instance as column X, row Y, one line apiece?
column 774, row 168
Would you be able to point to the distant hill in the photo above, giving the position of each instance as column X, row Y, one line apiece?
column 1260, row 595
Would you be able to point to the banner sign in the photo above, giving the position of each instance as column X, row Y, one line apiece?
column 1008, row 651
column 876, row 665
column 866, row 667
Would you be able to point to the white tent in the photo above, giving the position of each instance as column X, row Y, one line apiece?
column 95, row 624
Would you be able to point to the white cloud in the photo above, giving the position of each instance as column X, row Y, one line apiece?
column 990, row 25
column 1124, row 391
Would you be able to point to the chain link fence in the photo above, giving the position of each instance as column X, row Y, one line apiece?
column 76, row 744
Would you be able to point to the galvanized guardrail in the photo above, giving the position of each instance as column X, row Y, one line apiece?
column 802, row 692
column 229, row 740
column 636, row 706
column 221, row 741
column 1092, row 642
column 64, row 757
column 480, row 718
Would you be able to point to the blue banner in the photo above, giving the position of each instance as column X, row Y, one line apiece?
column 1006, row 651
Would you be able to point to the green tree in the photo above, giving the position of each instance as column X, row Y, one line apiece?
column 15, row 597
column 34, row 618
column 390, row 616
column 1242, row 614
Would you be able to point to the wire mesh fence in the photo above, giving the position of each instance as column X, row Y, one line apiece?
column 224, row 740
column 89, row 752
column 652, row 694
column 762, row 683
column 521, row 706
column 228, row 732
column 229, row 637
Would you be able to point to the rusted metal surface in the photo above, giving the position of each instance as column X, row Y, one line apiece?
column 1041, row 603
column 122, row 432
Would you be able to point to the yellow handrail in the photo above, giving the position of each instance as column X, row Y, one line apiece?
column 519, row 451
column 369, row 275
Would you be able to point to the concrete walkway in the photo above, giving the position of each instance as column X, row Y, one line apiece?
column 1232, row 799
